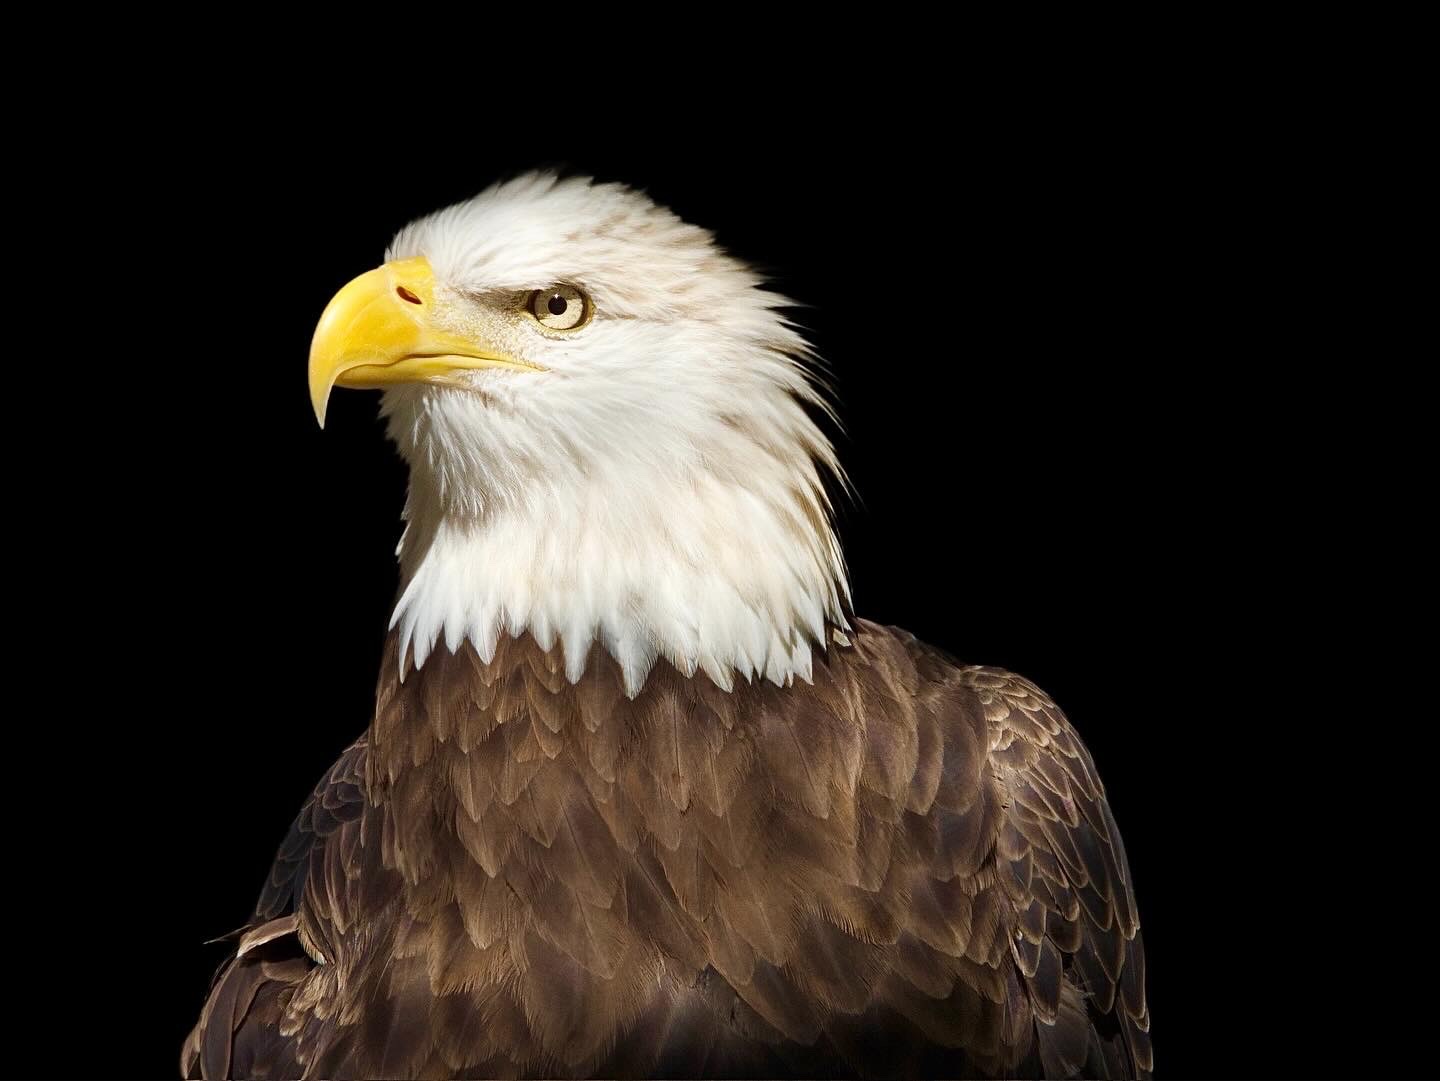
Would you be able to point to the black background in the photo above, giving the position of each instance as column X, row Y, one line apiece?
column 1037, row 305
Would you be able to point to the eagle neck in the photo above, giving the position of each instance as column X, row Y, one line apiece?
column 721, row 577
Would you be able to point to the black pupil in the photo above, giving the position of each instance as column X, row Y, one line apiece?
column 556, row 304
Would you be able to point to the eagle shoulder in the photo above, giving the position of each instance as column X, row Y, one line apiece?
column 1030, row 816
column 338, row 799
column 239, row 1026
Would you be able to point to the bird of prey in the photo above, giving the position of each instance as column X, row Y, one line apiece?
column 641, row 794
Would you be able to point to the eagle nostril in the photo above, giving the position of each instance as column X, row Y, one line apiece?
column 406, row 295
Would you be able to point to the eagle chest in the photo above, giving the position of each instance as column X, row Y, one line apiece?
column 586, row 859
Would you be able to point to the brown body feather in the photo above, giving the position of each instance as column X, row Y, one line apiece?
column 907, row 868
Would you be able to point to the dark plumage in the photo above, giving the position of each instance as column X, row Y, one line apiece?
column 907, row 868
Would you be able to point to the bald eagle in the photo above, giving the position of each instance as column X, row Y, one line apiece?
column 641, row 795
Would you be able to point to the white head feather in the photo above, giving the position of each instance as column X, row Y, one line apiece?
column 658, row 487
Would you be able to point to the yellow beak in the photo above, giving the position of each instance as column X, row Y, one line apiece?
column 379, row 331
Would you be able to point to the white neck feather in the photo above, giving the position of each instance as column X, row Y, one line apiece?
column 648, row 548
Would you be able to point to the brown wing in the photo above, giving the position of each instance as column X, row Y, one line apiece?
column 1064, row 869
column 987, row 923
column 238, row 1031
column 338, row 798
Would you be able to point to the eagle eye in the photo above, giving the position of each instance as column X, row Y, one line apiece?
column 561, row 307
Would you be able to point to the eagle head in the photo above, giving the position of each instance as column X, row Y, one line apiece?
column 605, row 420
